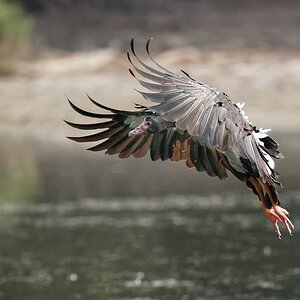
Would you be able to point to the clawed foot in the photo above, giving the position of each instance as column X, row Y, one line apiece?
column 277, row 213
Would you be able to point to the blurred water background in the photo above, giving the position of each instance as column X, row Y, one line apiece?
column 82, row 225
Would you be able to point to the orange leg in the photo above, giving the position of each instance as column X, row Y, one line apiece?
column 276, row 212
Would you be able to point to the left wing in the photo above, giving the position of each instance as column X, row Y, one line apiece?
column 169, row 143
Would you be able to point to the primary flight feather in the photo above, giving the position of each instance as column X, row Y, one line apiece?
column 190, row 121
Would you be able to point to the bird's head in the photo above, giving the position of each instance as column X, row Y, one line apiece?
column 149, row 125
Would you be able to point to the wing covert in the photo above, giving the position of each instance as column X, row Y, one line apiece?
column 193, row 105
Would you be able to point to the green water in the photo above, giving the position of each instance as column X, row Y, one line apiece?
column 74, row 225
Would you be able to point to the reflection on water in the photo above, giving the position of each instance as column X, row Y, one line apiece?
column 80, row 226
column 18, row 172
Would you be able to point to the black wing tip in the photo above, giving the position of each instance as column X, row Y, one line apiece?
column 75, row 107
column 129, row 58
column 77, row 139
column 186, row 74
column 148, row 45
column 102, row 106
column 132, row 46
column 82, row 126
column 131, row 73
column 94, row 149
column 72, row 138
column 90, row 114
column 71, row 103
column 69, row 123
column 96, row 103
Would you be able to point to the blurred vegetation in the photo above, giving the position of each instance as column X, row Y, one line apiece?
column 15, row 26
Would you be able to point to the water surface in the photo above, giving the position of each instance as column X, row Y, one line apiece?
column 80, row 226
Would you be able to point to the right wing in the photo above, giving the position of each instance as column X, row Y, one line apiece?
column 208, row 115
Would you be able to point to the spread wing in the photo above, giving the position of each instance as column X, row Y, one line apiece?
column 208, row 115
column 193, row 122
column 171, row 143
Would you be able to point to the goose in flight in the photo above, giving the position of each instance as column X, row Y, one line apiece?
column 191, row 121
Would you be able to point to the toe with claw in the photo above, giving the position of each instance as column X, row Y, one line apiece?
column 277, row 213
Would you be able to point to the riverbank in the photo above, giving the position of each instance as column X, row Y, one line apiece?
column 33, row 100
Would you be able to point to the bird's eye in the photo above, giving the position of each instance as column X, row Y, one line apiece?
column 148, row 123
